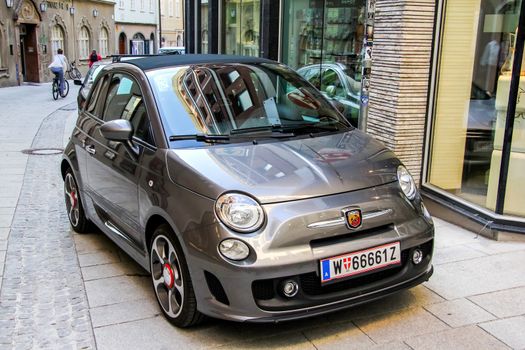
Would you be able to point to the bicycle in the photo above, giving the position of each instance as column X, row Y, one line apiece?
column 73, row 72
column 56, row 89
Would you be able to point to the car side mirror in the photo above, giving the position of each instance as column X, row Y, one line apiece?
column 120, row 130
column 78, row 82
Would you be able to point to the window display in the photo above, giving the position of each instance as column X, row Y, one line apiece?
column 325, row 39
column 242, row 27
column 473, row 84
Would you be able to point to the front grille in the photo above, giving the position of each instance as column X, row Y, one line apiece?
column 311, row 283
column 263, row 289
column 351, row 236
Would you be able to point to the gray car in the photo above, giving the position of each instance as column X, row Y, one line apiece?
column 242, row 190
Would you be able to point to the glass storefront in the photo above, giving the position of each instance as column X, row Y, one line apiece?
column 204, row 26
column 473, row 77
column 242, row 27
column 324, row 40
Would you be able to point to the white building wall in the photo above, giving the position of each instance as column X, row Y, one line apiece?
column 137, row 11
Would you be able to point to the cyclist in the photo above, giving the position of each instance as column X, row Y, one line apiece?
column 58, row 66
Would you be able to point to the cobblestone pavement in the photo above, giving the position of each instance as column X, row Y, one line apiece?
column 65, row 290
column 42, row 301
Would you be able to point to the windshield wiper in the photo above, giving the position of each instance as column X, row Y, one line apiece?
column 200, row 138
column 273, row 131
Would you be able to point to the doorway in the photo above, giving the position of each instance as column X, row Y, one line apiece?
column 122, row 44
column 29, row 53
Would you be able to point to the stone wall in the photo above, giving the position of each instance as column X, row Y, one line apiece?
column 403, row 34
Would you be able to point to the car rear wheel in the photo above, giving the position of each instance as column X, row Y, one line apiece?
column 171, row 279
column 75, row 210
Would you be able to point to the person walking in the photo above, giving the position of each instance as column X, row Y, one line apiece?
column 58, row 66
column 94, row 57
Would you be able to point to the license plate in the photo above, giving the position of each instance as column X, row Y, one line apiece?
column 355, row 263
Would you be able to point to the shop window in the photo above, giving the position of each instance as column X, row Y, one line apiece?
column 1, row 48
column 178, row 8
column 323, row 39
column 84, row 43
column 205, row 41
column 121, row 4
column 57, row 38
column 103, row 42
column 472, row 84
column 170, row 8
column 242, row 21
column 132, row 3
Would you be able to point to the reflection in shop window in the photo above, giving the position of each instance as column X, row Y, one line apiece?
column 473, row 89
column 242, row 22
column 83, row 43
column 57, row 38
column 323, row 39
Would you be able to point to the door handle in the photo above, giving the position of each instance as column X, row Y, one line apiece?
column 91, row 149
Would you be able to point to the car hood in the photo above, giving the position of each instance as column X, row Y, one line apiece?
column 285, row 170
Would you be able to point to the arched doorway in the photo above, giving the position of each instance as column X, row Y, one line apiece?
column 137, row 44
column 122, row 44
column 26, row 28
column 152, row 43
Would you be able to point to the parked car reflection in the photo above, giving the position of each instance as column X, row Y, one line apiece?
column 336, row 81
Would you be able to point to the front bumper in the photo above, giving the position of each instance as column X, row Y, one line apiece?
column 286, row 249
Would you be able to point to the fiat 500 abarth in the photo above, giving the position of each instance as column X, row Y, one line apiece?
column 242, row 190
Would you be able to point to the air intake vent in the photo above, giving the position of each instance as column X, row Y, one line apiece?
column 216, row 288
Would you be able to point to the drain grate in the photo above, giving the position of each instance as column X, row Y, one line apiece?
column 43, row 151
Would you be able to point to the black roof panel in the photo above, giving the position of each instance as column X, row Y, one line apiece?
column 161, row 61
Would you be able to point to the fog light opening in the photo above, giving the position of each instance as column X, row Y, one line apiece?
column 417, row 256
column 289, row 288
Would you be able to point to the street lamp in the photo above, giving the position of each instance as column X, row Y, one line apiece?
column 43, row 6
column 71, row 10
column 9, row 3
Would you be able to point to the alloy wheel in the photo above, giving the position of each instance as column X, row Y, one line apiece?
column 167, row 276
column 72, row 202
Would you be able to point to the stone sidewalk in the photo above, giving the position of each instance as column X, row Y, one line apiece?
column 97, row 297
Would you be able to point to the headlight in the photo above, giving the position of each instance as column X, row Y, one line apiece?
column 234, row 249
column 239, row 212
column 406, row 181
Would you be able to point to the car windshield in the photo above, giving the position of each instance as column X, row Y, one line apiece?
column 241, row 99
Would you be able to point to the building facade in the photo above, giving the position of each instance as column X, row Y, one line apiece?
column 438, row 81
column 172, row 23
column 31, row 32
column 136, row 26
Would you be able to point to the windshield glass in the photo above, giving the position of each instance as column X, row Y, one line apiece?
column 233, row 99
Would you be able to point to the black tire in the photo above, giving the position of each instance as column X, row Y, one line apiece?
column 66, row 88
column 75, row 210
column 179, row 291
column 56, row 91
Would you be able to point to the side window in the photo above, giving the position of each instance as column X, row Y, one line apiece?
column 93, row 99
column 331, row 84
column 312, row 76
column 124, row 101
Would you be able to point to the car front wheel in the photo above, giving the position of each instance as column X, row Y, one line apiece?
column 171, row 279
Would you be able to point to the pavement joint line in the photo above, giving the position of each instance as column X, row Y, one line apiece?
column 309, row 340
column 126, row 322
column 473, row 302
column 492, row 335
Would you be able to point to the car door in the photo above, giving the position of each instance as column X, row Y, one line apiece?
column 114, row 168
